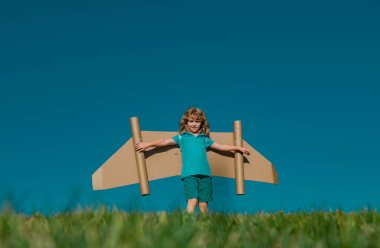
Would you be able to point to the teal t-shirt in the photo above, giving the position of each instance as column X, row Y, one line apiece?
column 193, row 152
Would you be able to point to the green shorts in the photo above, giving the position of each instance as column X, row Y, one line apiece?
column 199, row 187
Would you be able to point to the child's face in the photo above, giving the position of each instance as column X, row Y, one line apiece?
column 194, row 124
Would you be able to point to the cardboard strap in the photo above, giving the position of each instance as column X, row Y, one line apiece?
column 140, row 157
column 239, row 159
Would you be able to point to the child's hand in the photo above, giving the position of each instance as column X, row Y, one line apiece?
column 140, row 147
column 243, row 150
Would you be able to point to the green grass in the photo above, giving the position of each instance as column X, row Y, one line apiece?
column 114, row 228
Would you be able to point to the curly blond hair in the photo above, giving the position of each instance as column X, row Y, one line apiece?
column 199, row 114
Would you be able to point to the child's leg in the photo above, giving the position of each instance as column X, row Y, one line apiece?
column 203, row 207
column 191, row 205
column 205, row 193
column 191, row 191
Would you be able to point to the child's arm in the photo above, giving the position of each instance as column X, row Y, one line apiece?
column 228, row 148
column 142, row 146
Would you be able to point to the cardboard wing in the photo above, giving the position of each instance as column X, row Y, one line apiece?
column 120, row 169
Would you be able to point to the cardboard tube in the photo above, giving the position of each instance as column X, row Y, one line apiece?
column 140, row 157
column 239, row 159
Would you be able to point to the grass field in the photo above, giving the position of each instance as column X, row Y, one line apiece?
column 115, row 228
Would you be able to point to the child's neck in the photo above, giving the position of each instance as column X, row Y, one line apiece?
column 195, row 134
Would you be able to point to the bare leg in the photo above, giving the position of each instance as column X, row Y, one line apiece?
column 203, row 207
column 191, row 204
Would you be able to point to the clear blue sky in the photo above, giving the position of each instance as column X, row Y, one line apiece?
column 302, row 76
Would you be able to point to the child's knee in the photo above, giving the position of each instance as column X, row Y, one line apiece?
column 193, row 201
column 203, row 205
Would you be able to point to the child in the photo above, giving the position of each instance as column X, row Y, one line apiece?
column 193, row 140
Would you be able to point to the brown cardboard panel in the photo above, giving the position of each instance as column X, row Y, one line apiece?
column 120, row 169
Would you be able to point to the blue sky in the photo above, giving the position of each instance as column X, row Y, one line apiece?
column 302, row 76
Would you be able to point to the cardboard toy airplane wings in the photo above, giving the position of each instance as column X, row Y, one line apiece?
column 126, row 167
